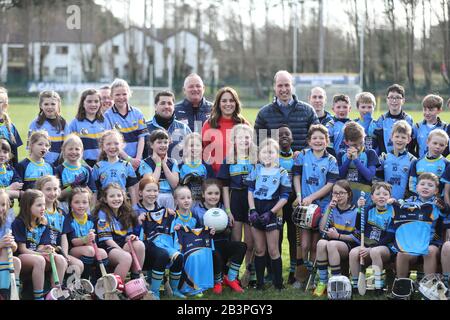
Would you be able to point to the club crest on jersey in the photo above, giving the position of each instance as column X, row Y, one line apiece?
column 117, row 126
column 84, row 131
column 405, row 169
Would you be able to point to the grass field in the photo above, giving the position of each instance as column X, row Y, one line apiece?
column 22, row 112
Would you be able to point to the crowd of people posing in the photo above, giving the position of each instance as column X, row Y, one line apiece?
column 111, row 179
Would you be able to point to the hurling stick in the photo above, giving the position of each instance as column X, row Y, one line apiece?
column 59, row 292
column 14, row 294
column 312, row 275
column 362, row 271
column 109, row 281
column 148, row 295
column 246, row 277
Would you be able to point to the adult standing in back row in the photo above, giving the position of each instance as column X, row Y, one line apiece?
column 286, row 109
column 194, row 110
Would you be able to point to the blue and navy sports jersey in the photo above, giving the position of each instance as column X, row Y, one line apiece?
column 6, row 226
column 79, row 227
column 30, row 171
column 111, row 230
column 395, row 171
column 357, row 181
column 202, row 169
column 287, row 162
column 344, row 220
column 385, row 123
column 149, row 166
column 132, row 126
column 414, row 223
column 198, row 211
column 421, row 131
column 75, row 176
column 234, row 175
column 269, row 183
column 89, row 132
column 121, row 172
column 316, row 173
column 336, row 131
column 369, row 126
column 58, row 225
column 437, row 166
column 378, row 226
column 326, row 118
column 187, row 220
column 39, row 235
column 4, row 133
column 56, row 139
column 8, row 175
column 196, row 246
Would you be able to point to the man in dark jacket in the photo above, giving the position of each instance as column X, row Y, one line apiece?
column 194, row 110
column 286, row 109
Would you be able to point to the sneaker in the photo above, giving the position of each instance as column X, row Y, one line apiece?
column 252, row 284
column 234, row 285
column 298, row 285
column 321, row 289
column 177, row 293
column 198, row 295
column 218, row 288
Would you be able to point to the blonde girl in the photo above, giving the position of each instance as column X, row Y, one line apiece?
column 8, row 130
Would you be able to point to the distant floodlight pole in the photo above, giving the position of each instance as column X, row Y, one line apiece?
column 361, row 50
column 321, row 38
column 295, row 39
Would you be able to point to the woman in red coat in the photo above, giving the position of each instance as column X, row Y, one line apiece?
column 216, row 132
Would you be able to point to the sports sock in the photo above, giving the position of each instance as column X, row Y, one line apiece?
column 309, row 266
column 277, row 277
column 134, row 275
column 252, row 269
column 88, row 262
column 299, row 262
column 218, row 278
column 157, row 277
column 322, row 266
column 446, row 278
column 38, row 294
column 335, row 270
column 292, row 266
column 420, row 275
column 233, row 271
column 379, row 279
column 175, row 280
column 354, row 282
column 260, row 265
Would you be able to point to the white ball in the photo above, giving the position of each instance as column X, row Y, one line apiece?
column 216, row 218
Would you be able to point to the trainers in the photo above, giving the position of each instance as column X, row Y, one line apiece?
column 321, row 289
column 198, row 295
column 217, row 288
column 177, row 293
column 234, row 285
column 298, row 285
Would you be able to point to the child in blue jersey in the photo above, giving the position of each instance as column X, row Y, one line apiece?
column 8, row 130
column 7, row 241
column 337, row 227
column 415, row 222
column 9, row 178
column 366, row 104
column 32, row 168
column 57, row 221
column 432, row 105
column 111, row 169
column 232, row 173
column 445, row 252
column 357, row 164
column 50, row 120
column 395, row 100
column 194, row 166
column 82, row 233
column 433, row 161
column 89, row 124
column 32, row 235
column 395, row 165
column 160, row 250
column 315, row 172
column 269, row 187
column 286, row 160
column 129, row 121
column 161, row 167
column 186, row 221
column 72, row 173
column 225, row 250
column 341, row 108
column 378, row 236
column 115, row 222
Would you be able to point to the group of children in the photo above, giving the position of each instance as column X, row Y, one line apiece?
column 88, row 181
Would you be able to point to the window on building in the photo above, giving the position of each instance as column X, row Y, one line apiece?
column 61, row 72
column 62, row 50
column 115, row 49
column 116, row 73
column 16, row 54
column 45, row 50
